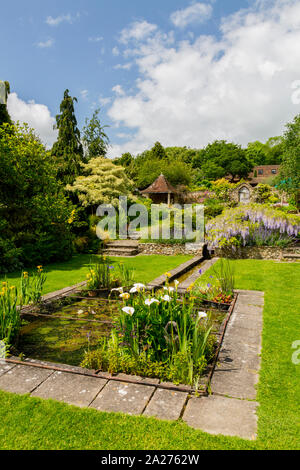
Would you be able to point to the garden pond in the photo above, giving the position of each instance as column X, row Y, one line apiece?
column 64, row 335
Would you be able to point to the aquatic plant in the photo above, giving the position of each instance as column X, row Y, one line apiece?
column 159, row 335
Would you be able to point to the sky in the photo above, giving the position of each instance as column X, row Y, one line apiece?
column 181, row 72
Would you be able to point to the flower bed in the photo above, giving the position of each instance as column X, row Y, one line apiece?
column 253, row 225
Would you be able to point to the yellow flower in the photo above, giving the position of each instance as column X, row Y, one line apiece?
column 168, row 274
column 12, row 287
column 125, row 296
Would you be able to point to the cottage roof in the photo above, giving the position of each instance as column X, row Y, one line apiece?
column 161, row 185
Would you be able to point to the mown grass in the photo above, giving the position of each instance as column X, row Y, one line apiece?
column 60, row 275
column 28, row 423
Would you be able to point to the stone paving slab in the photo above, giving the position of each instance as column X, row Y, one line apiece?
column 73, row 389
column 123, row 398
column 221, row 415
column 195, row 276
column 5, row 367
column 142, row 380
column 23, row 379
column 236, row 373
column 166, row 404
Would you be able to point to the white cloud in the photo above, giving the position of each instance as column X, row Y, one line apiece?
column 236, row 86
column 115, row 51
column 36, row 115
column 96, row 39
column 118, row 90
column 126, row 66
column 138, row 31
column 45, row 44
column 62, row 19
column 196, row 13
column 84, row 94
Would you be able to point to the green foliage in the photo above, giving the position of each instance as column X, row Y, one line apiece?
column 220, row 159
column 270, row 153
column 33, row 210
column 103, row 183
column 12, row 299
column 158, row 152
column 158, row 337
column 95, row 140
column 67, row 152
column 289, row 179
column 264, row 194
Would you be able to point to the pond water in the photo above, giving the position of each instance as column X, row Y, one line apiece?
column 68, row 333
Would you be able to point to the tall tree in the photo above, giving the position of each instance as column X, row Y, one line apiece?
column 67, row 150
column 95, row 140
column 290, row 168
column 4, row 116
column 158, row 151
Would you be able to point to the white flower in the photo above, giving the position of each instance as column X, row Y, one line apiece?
column 80, row 312
column 151, row 301
column 128, row 310
column 139, row 286
column 119, row 289
column 169, row 289
column 176, row 283
column 202, row 315
column 133, row 290
column 166, row 298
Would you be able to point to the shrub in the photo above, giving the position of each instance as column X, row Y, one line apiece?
column 252, row 225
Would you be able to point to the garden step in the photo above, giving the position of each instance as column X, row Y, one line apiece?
column 121, row 252
column 123, row 244
column 291, row 256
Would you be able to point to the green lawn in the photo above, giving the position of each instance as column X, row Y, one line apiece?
column 28, row 423
column 60, row 275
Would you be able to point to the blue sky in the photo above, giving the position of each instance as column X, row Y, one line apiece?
column 177, row 71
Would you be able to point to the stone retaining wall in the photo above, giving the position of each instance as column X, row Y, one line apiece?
column 256, row 252
column 169, row 250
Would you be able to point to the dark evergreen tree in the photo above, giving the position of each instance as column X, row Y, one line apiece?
column 4, row 116
column 67, row 150
column 94, row 139
column 158, row 151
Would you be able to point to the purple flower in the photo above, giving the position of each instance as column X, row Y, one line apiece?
column 111, row 267
column 200, row 271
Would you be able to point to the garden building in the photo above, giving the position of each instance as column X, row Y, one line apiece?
column 161, row 191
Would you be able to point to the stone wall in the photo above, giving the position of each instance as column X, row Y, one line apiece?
column 256, row 252
column 169, row 250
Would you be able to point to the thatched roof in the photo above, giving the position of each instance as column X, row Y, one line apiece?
column 160, row 186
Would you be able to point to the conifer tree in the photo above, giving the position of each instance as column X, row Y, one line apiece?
column 94, row 139
column 67, row 150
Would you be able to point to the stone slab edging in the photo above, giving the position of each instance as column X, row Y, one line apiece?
column 195, row 276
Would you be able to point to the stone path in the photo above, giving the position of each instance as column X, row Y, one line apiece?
column 230, row 410
column 195, row 276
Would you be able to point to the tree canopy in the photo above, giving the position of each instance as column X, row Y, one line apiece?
column 95, row 140
column 102, row 183
column 34, row 212
column 221, row 159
